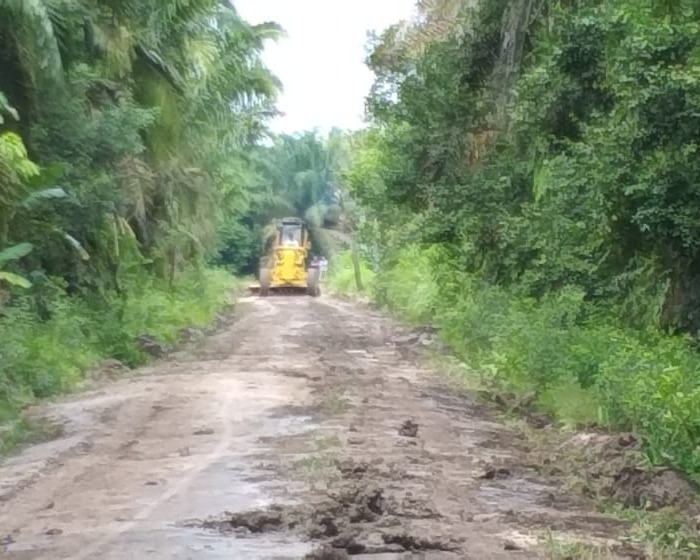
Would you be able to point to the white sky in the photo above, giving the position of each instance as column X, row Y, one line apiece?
column 321, row 59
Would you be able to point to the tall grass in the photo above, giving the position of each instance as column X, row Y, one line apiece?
column 44, row 357
column 341, row 275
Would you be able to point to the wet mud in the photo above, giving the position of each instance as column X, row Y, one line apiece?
column 302, row 428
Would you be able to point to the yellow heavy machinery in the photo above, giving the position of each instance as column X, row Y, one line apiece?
column 286, row 267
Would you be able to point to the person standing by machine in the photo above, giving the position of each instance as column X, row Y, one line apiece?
column 322, row 267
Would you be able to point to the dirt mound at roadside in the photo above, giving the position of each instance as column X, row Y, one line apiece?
column 614, row 467
column 107, row 370
column 654, row 489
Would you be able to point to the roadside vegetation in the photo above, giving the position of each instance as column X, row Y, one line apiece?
column 534, row 198
column 124, row 146
column 137, row 173
column 537, row 200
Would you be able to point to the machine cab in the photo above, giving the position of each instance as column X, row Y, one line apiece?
column 291, row 233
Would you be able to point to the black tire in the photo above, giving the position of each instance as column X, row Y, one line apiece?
column 313, row 288
column 265, row 282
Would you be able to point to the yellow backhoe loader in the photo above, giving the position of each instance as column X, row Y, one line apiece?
column 286, row 267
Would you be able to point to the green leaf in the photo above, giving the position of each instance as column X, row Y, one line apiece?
column 14, row 279
column 45, row 194
column 77, row 246
column 15, row 252
column 5, row 107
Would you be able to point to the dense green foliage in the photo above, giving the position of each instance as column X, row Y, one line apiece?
column 125, row 137
column 538, row 198
column 134, row 155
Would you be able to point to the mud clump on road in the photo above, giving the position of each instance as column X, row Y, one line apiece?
column 409, row 429
column 254, row 522
column 353, row 518
column 495, row 473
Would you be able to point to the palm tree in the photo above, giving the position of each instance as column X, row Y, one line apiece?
column 195, row 62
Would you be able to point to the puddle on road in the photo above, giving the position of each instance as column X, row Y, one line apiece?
column 242, row 489
column 521, row 495
column 232, row 483
column 192, row 543
column 239, row 486
column 170, row 543
column 282, row 426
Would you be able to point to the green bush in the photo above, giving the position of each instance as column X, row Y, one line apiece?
column 655, row 389
column 162, row 311
column 40, row 358
column 583, row 364
column 341, row 275
column 408, row 286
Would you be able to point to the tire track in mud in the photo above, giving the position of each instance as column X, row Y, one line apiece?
column 309, row 429
column 174, row 489
column 181, row 431
column 407, row 468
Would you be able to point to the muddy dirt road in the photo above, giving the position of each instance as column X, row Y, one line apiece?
column 306, row 425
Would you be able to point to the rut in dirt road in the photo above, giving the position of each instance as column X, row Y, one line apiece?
column 304, row 429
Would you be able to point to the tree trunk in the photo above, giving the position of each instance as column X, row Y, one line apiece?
column 356, row 263
column 516, row 22
column 354, row 256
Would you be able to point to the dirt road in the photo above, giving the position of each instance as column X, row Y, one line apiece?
column 305, row 424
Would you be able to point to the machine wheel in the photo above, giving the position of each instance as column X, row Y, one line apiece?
column 265, row 282
column 313, row 288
